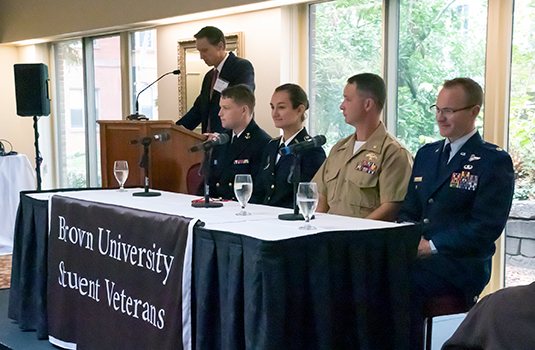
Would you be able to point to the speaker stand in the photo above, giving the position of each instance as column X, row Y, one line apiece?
column 38, row 158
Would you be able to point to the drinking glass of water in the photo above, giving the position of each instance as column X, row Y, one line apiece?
column 120, row 169
column 307, row 199
column 243, row 188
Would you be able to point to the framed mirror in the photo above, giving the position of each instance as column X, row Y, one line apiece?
column 193, row 68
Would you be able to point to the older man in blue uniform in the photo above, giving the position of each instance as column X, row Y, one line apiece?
column 460, row 192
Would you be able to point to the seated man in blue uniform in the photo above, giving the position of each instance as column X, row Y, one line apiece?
column 288, row 106
column 228, row 70
column 241, row 155
column 460, row 191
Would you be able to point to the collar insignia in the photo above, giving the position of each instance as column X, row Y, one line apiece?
column 248, row 136
column 371, row 156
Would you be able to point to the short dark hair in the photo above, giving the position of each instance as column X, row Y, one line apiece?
column 241, row 94
column 212, row 34
column 371, row 84
column 472, row 90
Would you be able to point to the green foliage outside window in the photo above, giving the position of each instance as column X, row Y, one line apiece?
column 522, row 104
column 438, row 40
column 346, row 40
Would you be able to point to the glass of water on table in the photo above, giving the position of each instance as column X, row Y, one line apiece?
column 120, row 169
column 307, row 199
column 243, row 189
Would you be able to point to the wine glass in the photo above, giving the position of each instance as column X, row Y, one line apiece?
column 243, row 188
column 307, row 199
column 120, row 169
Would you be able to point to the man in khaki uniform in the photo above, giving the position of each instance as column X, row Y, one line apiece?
column 366, row 174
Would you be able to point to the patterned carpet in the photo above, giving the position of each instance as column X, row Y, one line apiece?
column 5, row 270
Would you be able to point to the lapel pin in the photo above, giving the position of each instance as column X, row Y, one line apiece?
column 463, row 154
column 473, row 157
column 468, row 167
column 248, row 136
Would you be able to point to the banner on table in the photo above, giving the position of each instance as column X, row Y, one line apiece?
column 115, row 276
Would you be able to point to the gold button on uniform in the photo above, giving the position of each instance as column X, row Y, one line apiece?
column 230, row 183
column 217, row 184
column 272, row 186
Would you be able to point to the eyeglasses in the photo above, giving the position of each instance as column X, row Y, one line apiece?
column 447, row 112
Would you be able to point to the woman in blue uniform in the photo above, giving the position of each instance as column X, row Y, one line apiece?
column 274, row 187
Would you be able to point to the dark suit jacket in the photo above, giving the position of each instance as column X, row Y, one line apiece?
column 274, row 187
column 236, row 71
column 243, row 156
column 462, row 215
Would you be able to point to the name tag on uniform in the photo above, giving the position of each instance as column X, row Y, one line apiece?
column 464, row 180
column 418, row 179
column 220, row 85
column 241, row 161
column 367, row 167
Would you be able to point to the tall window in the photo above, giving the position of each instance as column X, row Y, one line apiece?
column 438, row 40
column 345, row 40
column 70, row 108
column 520, row 239
column 88, row 76
column 144, row 72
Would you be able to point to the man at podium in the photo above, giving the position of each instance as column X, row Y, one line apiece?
column 241, row 155
column 228, row 70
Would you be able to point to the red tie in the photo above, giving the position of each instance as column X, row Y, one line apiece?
column 214, row 79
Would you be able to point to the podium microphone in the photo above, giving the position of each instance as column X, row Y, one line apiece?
column 137, row 116
column 316, row 141
column 208, row 145
column 147, row 140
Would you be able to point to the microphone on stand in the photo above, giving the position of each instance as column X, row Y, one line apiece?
column 163, row 136
column 137, row 116
column 209, row 144
column 315, row 141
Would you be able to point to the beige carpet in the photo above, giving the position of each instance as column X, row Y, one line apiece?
column 5, row 270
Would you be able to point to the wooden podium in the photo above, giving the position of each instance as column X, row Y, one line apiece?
column 169, row 160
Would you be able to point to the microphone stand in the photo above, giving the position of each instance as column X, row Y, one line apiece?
column 144, row 163
column 295, row 175
column 137, row 116
column 206, row 170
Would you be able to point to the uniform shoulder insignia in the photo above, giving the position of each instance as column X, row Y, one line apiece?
column 499, row 149
column 307, row 137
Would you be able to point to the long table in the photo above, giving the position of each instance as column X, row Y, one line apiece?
column 261, row 283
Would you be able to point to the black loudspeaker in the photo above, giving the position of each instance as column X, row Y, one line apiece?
column 31, row 89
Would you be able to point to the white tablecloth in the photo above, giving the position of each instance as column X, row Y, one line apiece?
column 16, row 174
column 263, row 223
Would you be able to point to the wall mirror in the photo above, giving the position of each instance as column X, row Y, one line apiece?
column 193, row 68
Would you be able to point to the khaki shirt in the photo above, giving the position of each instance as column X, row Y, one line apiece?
column 357, row 184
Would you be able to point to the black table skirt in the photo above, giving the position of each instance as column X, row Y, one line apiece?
column 28, row 292
column 334, row 290
column 27, row 295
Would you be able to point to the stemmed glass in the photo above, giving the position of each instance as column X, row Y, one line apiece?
column 120, row 169
column 307, row 199
column 243, row 188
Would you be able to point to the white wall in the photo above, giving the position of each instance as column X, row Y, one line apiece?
column 262, row 33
